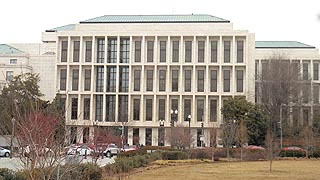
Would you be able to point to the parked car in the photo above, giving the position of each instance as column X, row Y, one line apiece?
column 127, row 148
column 112, row 149
column 79, row 150
column 253, row 147
column 292, row 148
column 4, row 152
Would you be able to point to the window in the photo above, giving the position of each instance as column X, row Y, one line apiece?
column 86, row 108
column 124, row 79
column 76, row 51
column 240, row 51
column 175, row 51
column 100, row 50
column 226, row 80
column 162, row 80
column 256, row 70
column 213, row 110
column 150, row 46
column 239, row 80
column 137, row 51
column 63, row 79
column 88, row 54
column 200, row 51
column 315, row 71
column 200, row 109
column 13, row 61
column 9, row 76
column 111, row 78
column 124, row 50
column 316, row 94
column 148, row 136
column 110, row 108
column 123, row 109
column 136, row 137
column 200, row 84
column 99, row 81
column 162, row 109
column 99, row 107
column 149, row 80
column 175, row 80
column 213, row 80
column 87, row 79
column 86, row 135
column 188, row 51
column 174, row 106
column 163, row 51
column 64, row 51
column 75, row 79
column 187, row 108
column 136, row 109
column 305, row 74
column 73, row 135
column 137, row 78
column 74, row 108
column 226, row 51
column 187, row 80
column 112, row 50
column 214, row 51
column 148, row 109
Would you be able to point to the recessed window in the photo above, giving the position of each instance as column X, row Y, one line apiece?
column 9, row 75
column 13, row 61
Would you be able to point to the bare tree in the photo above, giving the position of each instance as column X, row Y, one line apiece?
column 308, row 137
column 179, row 136
column 213, row 140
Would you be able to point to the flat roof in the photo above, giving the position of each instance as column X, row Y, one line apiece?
column 282, row 44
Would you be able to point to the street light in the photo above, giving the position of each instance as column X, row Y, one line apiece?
column 161, row 123
column 174, row 114
column 189, row 120
column 13, row 120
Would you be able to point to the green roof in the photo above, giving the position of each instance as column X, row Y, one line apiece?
column 281, row 44
column 6, row 49
column 193, row 18
column 68, row 27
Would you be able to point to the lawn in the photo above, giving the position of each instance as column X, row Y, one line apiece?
column 282, row 169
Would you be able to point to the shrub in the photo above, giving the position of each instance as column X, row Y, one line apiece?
column 7, row 174
column 201, row 154
column 173, row 155
column 292, row 153
column 133, row 153
column 315, row 153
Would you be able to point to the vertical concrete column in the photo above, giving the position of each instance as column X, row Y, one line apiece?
column 142, row 136
column 79, row 134
column 154, row 137
column 130, row 136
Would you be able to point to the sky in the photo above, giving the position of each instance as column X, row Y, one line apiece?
column 23, row 21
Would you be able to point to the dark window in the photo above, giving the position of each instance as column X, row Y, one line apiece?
column 226, row 51
column 175, row 80
column 188, row 51
column 239, row 80
column 150, row 48
column 87, row 79
column 99, row 85
column 200, row 51
column 86, row 135
column 110, row 108
column 99, row 107
column 13, row 61
column 187, row 108
column 137, row 78
column 213, row 110
column 305, row 71
column 200, row 109
column 112, row 50
column 148, row 136
column 124, row 50
column 88, row 54
column 136, row 137
column 9, row 75
column 200, row 81
column 213, row 81
column 162, row 80
column 100, row 50
column 86, row 108
column 136, row 109
column 175, row 51
column 174, row 107
column 187, row 80
column 76, row 51
column 315, row 71
column 137, row 51
column 124, row 79
column 63, row 79
column 64, row 51
column 111, row 78
column 123, row 109
column 73, row 135
column 214, row 51
column 163, row 51
column 149, row 109
column 199, row 133
column 75, row 79
column 239, row 51
column 149, row 80
column 162, row 109
column 74, row 108
column 316, row 94
column 256, row 68
column 226, row 80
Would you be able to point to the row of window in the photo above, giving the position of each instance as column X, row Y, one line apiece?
column 149, row 80
column 150, row 46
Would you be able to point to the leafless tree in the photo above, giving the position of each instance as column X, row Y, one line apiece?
column 213, row 136
column 230, row 131
column 181, row 138
column 308, row 138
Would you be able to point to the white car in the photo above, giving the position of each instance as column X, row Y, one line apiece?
column 111, row 150
column 4, row 152
column 80, row 150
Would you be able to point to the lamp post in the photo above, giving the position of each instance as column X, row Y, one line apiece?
column 174, row 114
column 13, row 120
column 189, row 120
column 280, row 123
column 161, row 123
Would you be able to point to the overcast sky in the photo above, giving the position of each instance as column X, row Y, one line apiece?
column 22, row 21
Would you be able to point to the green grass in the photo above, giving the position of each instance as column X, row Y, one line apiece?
column 282, row 169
